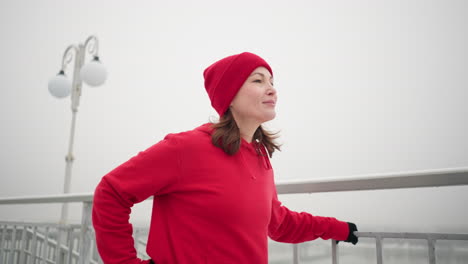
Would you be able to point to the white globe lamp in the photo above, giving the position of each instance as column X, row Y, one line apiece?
column 93, row 73
column 60, row 86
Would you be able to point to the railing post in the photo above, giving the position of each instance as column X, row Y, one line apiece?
column 69, row 244
column 13, row 245
column 378, row 245
column 431, row 247
column 59, row 240
column 34, row 246
column 85, row 239
column 45, row 246
column 22, row 249
column 3, row 242
column 295, row 253
column 334, row 252
column 136, row 237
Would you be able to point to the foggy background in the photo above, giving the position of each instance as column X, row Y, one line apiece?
column 364, row 87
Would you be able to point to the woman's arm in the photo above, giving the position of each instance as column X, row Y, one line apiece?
column 293, row 227
column 154, row 171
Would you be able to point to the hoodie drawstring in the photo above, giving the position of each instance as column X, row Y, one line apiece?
column 266, row 159
column 262, row 156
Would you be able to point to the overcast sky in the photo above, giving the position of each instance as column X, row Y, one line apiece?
column 365, row 87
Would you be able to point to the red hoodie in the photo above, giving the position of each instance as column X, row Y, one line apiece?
column 209, row 207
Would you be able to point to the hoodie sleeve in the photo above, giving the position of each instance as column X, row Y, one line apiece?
column 293, row 227
column 154, row 171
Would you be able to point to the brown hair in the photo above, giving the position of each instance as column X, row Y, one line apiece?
column 226, row 135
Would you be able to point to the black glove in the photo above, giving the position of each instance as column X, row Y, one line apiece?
column 352, row 238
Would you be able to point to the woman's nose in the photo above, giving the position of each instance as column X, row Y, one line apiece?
column 271, row 90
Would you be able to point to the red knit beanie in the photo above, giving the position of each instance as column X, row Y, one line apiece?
column 224, row 78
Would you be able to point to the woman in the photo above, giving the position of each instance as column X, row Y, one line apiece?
column 214, row 195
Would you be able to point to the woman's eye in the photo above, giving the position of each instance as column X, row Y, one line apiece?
column 258, row 81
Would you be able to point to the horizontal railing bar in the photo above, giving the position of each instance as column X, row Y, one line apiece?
column 57, row 198
column 40, row 224
column 433, row 236
column 432, row 178
column 401, row 235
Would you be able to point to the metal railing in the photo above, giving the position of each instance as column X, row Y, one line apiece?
column 431, row 239
column 41, row 243
column 49, row 242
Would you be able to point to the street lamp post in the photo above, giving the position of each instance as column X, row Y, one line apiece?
column 93, row 74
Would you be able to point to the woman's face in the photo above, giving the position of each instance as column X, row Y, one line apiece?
column 256, row 99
